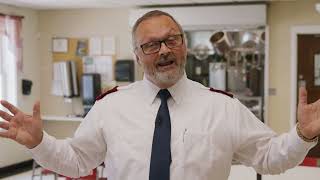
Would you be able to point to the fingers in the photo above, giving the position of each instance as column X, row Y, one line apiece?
column 4, row 134
column 5, row 116
column 7, row 134
column 303, row 96
column 36, row 110
column 4, row 125
column 10, row 107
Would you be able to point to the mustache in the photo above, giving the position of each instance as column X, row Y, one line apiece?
column 166, row 58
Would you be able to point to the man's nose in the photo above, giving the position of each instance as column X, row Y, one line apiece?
column 164, row 49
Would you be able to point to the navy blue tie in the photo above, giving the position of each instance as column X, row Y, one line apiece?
column 161, row 152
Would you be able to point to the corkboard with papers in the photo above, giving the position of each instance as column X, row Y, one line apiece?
column 77, row 48
column 92, row 55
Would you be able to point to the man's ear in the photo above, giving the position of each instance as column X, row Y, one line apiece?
column 137, row 58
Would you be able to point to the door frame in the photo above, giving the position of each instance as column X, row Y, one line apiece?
column 295, row 31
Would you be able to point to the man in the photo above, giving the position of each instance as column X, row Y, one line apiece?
column 184, row 132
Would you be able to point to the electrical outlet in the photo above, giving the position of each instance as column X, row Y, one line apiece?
column 272, row 91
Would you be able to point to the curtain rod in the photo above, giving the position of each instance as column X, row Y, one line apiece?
column 14, row 16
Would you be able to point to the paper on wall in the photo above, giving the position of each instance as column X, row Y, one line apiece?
column 109, row 46
column 56, row 86
column 95, row 46
column 88, row 64
column 102, row 65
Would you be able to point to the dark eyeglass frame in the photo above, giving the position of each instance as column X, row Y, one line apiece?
column 165, row 41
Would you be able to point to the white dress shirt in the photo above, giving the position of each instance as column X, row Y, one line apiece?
column 209, row 129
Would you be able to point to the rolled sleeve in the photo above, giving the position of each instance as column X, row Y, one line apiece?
column 299, row 144
column 43, row 146
column 42, row 151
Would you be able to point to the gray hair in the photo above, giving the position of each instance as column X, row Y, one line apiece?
column 149, row 15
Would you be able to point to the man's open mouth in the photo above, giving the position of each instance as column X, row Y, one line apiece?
column 166, row 63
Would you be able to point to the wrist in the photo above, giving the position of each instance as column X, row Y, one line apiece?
column 303, row 136
column 36, row 142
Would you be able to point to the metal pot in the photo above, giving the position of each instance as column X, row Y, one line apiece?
column 263, row 37
column 261, row 42
column 235, row 38
column 244, row 41
column 220, row 42
column 250, row 40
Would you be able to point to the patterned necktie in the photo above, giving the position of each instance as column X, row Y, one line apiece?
column 161, row 153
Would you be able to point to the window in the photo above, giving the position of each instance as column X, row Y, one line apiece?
column 8, row 72
column 10, row 56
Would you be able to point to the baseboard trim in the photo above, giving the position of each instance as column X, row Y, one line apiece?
column 16, row 168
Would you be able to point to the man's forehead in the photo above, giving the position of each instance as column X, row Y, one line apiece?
column 156, row 26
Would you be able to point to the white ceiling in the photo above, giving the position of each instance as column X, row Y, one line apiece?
column 66, row 4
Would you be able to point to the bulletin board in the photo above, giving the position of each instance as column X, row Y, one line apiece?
column 77, row 48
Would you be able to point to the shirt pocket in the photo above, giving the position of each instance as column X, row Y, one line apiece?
column 199, row 156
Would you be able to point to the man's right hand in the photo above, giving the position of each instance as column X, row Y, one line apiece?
column 22, row 128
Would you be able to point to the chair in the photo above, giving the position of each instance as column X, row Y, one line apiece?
column 44, row 172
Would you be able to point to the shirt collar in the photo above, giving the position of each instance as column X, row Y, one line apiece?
column 177, row 91
column 151, row 90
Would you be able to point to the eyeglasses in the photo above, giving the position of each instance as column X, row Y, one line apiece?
column 171, row 42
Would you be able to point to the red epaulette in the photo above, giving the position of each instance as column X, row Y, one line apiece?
column 221, row 92
column 107, row 92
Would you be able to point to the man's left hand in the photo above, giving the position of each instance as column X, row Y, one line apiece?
column 308, row 115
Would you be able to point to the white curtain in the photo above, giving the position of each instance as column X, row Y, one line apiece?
column 10, row 27
column 10, row 56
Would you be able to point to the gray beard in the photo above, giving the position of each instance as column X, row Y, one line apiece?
column 169, row 78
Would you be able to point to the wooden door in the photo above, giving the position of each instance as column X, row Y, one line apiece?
column 309, row 72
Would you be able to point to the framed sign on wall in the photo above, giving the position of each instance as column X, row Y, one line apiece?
column 60, row 45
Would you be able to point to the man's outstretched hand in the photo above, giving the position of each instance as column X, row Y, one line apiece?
column 308, row 115
column 22, row 128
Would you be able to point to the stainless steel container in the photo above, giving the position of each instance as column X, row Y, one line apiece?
column 235, row 80
column 220, row 42
column 217, row 75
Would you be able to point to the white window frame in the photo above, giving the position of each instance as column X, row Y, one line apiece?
column 8, row 73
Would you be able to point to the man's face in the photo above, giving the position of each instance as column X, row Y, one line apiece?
column 166, row 67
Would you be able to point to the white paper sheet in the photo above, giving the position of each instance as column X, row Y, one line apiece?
column 109, row 46
column 102, row 65
column 88, row 64
column 95, row 46
column 56, row 86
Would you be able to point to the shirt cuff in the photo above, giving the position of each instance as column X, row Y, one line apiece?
column 43, row 146
column 299, row 143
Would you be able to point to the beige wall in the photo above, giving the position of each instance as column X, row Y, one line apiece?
column 82, row 23
column 38, row 29
column 11, row 152
column 77, row 23
column 281, row 17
